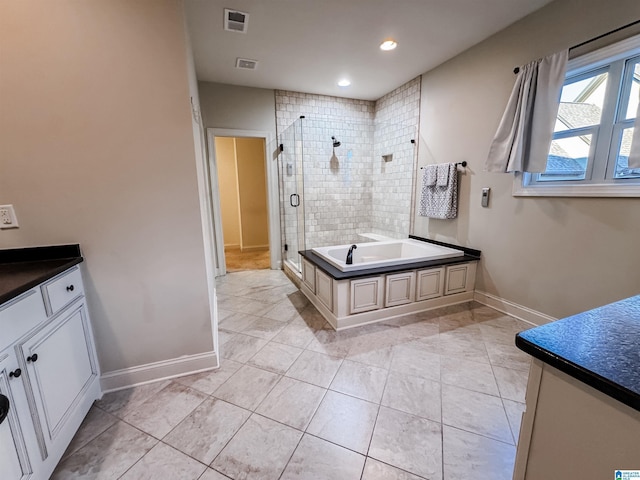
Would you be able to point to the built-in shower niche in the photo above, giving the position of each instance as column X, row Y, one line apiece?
column 334, row 187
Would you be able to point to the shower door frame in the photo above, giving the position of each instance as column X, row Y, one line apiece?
column 273, row 204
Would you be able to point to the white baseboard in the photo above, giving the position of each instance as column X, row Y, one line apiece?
column 154, row 372
column 515, row 310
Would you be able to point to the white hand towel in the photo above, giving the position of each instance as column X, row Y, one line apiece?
column 443, row 175
column 429, row 175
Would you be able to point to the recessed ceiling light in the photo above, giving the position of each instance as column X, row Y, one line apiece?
column 388, row 45
column 344, row 82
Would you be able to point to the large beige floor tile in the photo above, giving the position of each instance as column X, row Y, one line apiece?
column 511, row 383
column 375, row 470
column 316, row 368
column 159, row 414
column 205, row 432
column 475, row 412
column 242, row 347
column 468, row 374
column 413, row 360
column 260, row 450
column 247, row 387
column 164, row 462
column 96, row 422
column 359, row 380
column 468, row 456
column 120, row 403
column 108, row 456
column 345, row 420
column 292, row 402
column 408, row 442
column 208, row 382
column 414, row 395
column 318, row 459
column 275, row 357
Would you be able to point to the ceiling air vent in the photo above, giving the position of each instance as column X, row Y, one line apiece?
column 246, row 64
column 235, row 21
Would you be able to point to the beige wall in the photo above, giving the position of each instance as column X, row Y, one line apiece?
column 228, row 186
column 253, row 192
column 96, row 147
column 243, row 108
column 555, row 255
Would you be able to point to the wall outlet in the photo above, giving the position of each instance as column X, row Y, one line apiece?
column 8, row 217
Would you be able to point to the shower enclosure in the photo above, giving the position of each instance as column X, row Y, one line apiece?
column 340, row 179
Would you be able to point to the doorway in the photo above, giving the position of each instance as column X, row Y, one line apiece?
column 241, row 200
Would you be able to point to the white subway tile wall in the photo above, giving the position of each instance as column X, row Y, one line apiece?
column 348, row 189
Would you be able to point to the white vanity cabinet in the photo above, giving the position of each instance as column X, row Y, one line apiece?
column 59, row 376
column 16, row 430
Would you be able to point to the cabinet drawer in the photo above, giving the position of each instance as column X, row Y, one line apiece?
column 20, row 315
column 62, row 290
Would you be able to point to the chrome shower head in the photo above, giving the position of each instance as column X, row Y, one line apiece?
column 336, row 143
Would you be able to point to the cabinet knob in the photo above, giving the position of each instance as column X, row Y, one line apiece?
column 33, row 358
column 16, row 373
column 70, row 288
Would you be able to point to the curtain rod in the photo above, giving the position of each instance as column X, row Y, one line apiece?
column 586, row 42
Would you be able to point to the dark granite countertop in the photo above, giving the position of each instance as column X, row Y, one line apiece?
column 470, row 255
column 23, row 268
column 600, row 347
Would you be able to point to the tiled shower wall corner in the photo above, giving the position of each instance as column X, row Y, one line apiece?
column 349, row 189
column 397, row 117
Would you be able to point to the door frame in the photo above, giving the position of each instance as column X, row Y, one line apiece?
column 273, row 203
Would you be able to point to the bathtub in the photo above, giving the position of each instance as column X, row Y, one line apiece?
column 384, row 254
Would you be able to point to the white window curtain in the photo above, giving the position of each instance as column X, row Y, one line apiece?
column 634, row 156
column 524, row 134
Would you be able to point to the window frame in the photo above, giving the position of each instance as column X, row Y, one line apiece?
column 599, row 179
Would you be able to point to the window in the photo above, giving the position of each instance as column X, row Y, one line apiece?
column 592, row 135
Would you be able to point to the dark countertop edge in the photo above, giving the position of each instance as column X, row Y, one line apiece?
column 62, row 258
column 469, row 251
column 602, row 384
column 35, row 254
column 336, row 274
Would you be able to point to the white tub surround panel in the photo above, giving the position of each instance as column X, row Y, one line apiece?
column 351, row 298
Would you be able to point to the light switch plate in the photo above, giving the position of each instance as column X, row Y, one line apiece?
column 485, row 196
column 8, row 217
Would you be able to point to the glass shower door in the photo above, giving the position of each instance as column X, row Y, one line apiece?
column 292, row 187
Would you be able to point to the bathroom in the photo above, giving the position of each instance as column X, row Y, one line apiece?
column 136, row 210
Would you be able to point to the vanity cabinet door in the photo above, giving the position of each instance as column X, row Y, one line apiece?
column 366, row 294
column 61, row 368
column 457, row 279
column 14, row 421
column 324, row 289
column 430, row 284
column 309, row 275
column 399, row 289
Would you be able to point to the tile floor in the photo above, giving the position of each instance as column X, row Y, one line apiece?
column 436, row 395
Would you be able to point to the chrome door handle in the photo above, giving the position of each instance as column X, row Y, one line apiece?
column 297, row 199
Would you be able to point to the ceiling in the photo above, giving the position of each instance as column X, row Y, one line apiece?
column 308, row 45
